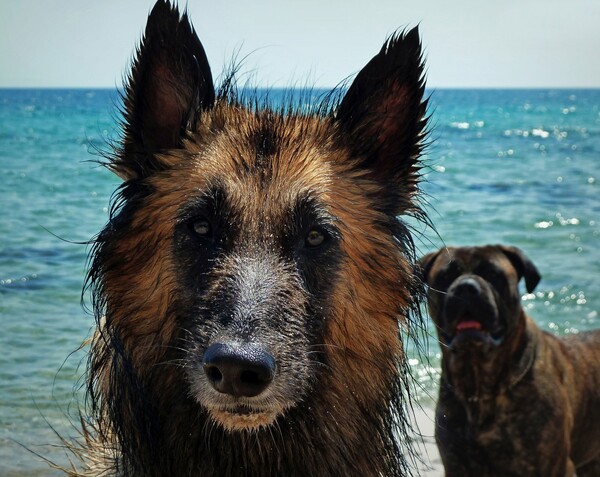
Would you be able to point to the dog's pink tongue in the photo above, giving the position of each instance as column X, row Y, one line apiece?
column 468, row 325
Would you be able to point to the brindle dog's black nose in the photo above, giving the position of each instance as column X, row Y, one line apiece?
column 243, row 370
column 467, row 287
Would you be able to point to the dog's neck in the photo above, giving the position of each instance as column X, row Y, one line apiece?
column 308, row 449
column 478, row 377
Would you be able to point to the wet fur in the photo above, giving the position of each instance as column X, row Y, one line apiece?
column 331, row 316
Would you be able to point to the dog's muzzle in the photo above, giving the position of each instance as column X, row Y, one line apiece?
column 470, row 313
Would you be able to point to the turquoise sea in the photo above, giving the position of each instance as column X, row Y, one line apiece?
column 520, row 167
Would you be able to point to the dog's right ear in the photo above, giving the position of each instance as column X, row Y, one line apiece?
column 424, row 265
column 169, row 85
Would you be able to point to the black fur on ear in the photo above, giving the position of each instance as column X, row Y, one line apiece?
column 383, row 113
column 523, row 265
column 425, row 263
column 170, row 83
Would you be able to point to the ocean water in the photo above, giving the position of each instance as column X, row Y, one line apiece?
column 520, row 167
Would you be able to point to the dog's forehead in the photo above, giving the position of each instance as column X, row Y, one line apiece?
column 263, row 166
column 472, row 258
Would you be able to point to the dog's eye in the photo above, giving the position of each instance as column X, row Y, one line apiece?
column 201, row 227
column 444, row 279
column 315, row 238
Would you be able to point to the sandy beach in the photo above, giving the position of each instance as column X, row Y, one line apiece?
column 431, row 465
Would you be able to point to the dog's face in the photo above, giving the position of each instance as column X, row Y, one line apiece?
column 251, row 242
column 473, row 295
column 256, row 242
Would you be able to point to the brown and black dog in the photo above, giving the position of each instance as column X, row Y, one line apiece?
column 514, row 400
column 253, row 278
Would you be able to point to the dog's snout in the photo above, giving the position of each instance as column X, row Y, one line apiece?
column 467, row 287
column 243, row 370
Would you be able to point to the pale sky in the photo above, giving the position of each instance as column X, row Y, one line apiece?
column 468, row 43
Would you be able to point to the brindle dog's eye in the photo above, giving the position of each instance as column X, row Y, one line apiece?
column 315, row 238
column 201, row 227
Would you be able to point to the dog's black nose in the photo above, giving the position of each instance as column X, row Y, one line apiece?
column 467, row 287
column 243, row 370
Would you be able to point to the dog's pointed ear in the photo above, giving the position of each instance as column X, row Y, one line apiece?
column 523, row 265
column 383, row 114
column 170, row 83
column 425, row 264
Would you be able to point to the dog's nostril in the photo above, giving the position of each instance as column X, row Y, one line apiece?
column 252, row 378
column 249, row 377
column 238, row 369
column 213, row 373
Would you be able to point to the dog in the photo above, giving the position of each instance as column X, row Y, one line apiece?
column 252, row 281
column 514, row 400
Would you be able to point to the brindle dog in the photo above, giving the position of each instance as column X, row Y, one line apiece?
column 514, row 400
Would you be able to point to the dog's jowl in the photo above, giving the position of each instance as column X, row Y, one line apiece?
column 514, row 400
column 253, row 277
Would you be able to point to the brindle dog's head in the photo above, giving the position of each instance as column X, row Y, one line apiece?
column 474, row 296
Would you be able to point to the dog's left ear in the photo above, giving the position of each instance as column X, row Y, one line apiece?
column 383, row 114
column 523, row 265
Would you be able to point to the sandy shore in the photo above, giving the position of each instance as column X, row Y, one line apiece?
column 424, row 418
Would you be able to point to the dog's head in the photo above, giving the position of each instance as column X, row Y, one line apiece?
column 473, row 295
column 256, row 248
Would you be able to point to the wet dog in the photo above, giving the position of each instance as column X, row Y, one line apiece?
column 253, row 277
column 514, row 400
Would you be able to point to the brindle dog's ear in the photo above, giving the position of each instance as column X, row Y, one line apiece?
column 383, row 114
column 424, row 265
column 169, row 85
column 523, row 265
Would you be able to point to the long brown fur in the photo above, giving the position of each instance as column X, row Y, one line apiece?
column 262, row 177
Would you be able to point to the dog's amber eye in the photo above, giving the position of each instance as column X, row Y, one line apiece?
column 201, row 227
column 314, row 238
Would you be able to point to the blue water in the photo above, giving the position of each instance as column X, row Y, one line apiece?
column 517, row 167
